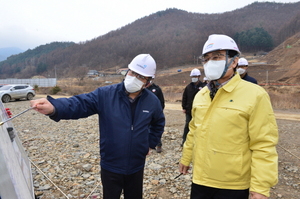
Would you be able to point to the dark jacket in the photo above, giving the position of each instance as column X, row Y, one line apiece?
column 124, row 139
column 249, row 79
column 156, row 90
column 188, row 95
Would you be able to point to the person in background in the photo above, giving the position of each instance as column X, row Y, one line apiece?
column 187, row 99
column 205, row 80
column 131, row 121
column 242, row 70
column 156, row 90
column 233, row 131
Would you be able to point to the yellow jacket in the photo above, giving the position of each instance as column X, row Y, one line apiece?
column 232, row 139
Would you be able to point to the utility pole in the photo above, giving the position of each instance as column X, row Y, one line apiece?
column 55, row 75
column 55, row 72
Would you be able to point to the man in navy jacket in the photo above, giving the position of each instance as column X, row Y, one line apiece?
column 131, row 122
column 242, row 70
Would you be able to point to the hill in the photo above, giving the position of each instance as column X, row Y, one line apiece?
column 286, row 58
column 28, row 64
column 173, row 37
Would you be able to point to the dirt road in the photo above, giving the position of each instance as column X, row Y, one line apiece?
column 279, row 114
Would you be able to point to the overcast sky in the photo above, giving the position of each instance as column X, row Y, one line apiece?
column 28, row 24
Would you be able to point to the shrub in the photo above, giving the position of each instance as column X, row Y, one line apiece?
column 55, row 90
column 36, row 88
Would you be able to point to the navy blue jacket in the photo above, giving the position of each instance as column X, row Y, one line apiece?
column 249, row 78
column 124, row 141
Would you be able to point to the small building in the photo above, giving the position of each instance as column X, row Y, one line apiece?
column 93, row 73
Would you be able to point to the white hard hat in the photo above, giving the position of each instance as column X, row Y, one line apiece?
column 219, row 42
column 195, row 72
column 143, row 64
column 205, row 79
column 243, row 62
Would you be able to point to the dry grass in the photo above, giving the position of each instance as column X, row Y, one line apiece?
column 72, row 86
column 172, row 93
column 282, row 97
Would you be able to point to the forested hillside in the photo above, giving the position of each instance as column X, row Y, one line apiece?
column 290, row 28
column 173, row 37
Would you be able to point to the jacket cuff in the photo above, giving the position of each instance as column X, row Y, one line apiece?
column 262, row 190
column 52, row 115
column 185, row 162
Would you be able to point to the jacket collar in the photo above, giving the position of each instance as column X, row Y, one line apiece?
column 230, row 85
column 233, row 82
column 122, row 90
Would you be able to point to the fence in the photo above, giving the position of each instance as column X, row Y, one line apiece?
column 44, row 82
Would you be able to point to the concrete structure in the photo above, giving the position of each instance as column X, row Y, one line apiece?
column 15, row 171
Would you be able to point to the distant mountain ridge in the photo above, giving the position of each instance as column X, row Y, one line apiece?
column 173, row 37
column 6, row 52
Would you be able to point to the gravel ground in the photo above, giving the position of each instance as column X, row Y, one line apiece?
column 67, row 152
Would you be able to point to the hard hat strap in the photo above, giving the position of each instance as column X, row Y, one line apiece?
column 227, row 64
column 148, row 83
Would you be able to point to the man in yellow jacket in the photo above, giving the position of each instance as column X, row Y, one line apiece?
column 233, row 131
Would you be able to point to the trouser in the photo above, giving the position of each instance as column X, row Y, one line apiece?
column 159, row 143
column 188, row 118
column 203, row 192
column 114, row 183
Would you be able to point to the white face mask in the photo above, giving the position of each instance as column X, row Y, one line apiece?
column 214, row 69
column 194, row 79
column 132, row 84
column 241, row 71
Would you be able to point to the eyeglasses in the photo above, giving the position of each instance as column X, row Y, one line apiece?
column 214, row 56
column 140, row 77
